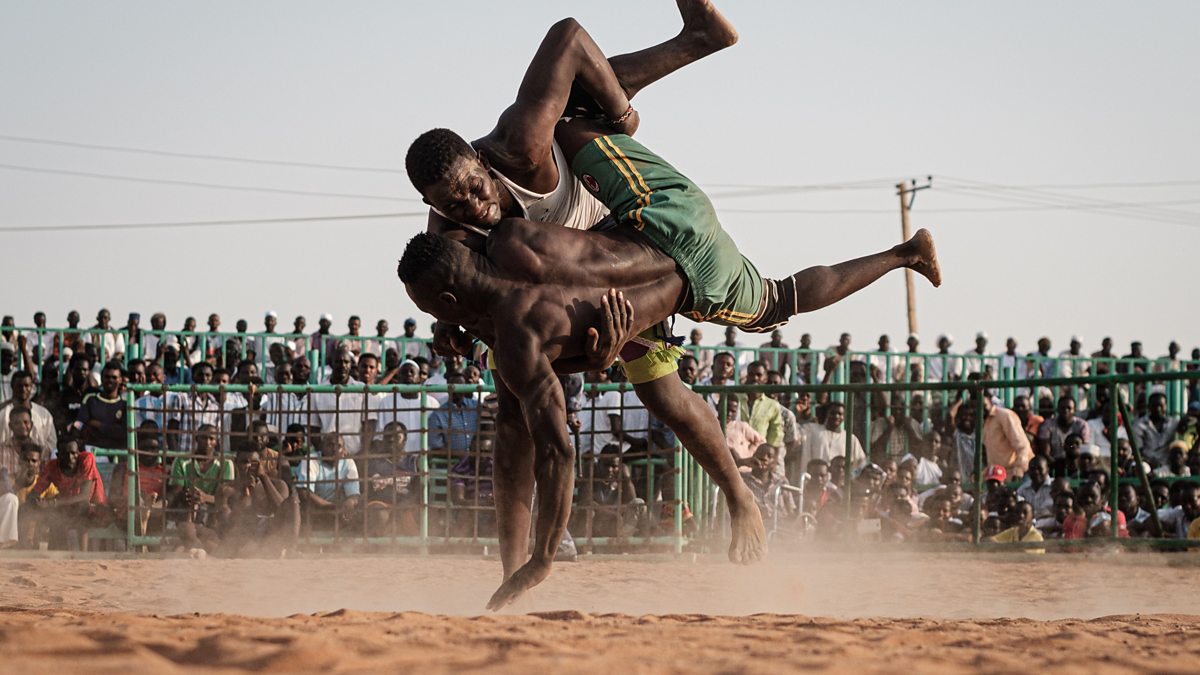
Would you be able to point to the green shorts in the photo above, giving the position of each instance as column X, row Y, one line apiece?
column 643, row 191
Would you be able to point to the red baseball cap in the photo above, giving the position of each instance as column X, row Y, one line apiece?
column 995, row 472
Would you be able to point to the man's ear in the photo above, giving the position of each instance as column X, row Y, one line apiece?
column 448, row 298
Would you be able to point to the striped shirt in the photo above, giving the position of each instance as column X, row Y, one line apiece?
column 283, row 409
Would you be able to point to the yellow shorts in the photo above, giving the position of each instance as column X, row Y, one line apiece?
column 646, row 358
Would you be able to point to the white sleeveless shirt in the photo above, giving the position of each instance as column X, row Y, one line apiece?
column 569, row 205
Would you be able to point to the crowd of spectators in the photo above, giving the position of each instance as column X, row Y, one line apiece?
column 248, row 469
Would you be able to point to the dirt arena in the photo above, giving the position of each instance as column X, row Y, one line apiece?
column 880, row 611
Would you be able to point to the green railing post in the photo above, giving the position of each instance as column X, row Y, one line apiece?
column 1141, row 466
column 977, row 521
column 131, row 476
column 846, row 426
column 423, row 467
column 679, row 496
column 1114, row 464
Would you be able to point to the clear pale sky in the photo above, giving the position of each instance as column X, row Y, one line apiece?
column 859, row 94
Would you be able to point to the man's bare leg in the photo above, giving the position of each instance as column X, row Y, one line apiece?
column 705, row 30
column 699, row 431
column 512, row 480
column 821, row 286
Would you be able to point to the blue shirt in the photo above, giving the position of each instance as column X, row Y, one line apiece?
column 454, row 425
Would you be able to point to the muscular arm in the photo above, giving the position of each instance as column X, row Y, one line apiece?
column 526, row 129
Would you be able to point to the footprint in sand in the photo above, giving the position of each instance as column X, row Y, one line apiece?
column 24, row 582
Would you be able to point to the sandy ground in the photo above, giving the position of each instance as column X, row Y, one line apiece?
column 871, row 611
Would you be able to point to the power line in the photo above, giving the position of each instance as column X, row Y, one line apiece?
column 194, row 155
column 206, row 223
column 965, row 209
column 197, row 184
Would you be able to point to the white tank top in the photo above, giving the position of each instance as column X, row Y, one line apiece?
column 569, row 205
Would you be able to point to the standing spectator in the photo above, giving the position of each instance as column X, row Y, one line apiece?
column 101, row 417
column 411, row 344
column 348, row 413
column 773, row 355
column 964, row 440
column 1044, row 365
column 1134, row 361
column 42, row 431
column 1154, row 431
column 884, row 364
column 1103, row 357
column 828, row 440
column 977, row 357
column 322, row 339
column 1031, row 422
column 1035, row 489
column 212, row 339
column 1053, row 432
column 1169, row 363
column 1071, row 362
column 156, row 340
column 264, row 344
column 763, row 412
column 1003, row 438
column 162, row 408
column 722, row 374
column 407, row 408
column 298, row 336
column 109, row 342
column 742, row 356
column 199, row 409
column 453, row 426
column 79, row 502
column 40, row 340
column 943, row 366
column 703, row 355
column 1011, row 363
column 284, row 409
column 897, row 434
column 378, row 345
column 354, row 340
column 806, row 361
column 19, row 425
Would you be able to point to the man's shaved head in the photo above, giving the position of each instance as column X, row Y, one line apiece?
column 432, row 155
column 426, row 253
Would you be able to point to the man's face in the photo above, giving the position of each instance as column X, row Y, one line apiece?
column 695, row 336
column 1075, row 345
column 803, row 402
column 301, row 370
column 342, row 363
column 283, row 373
column 819, row 473
column 410, row 328
column 687, row 370
column 368, row 370
column 943, row 344
column 764, row 458
column 137, row 372
column 723, row 367
column 73, row 319
column 245, row 463
column 381, row 328
column 324, row 324
column 1157, row 408
column 834, row 418
column 331, row 446
column 202, row 374
column 103, row 318
column 189, row 324
column 458, row 396
column 354, row 325
column 110, row 381
column 1190, row 501
column 1037, row 471
column 1010, row 345
column 223, row 378
column 22, row 388
column 155, row 374
column 68, row 456
column 299, row 324
column 467, row 194
column 1106, row 344
column 805, row 341
column 424, row 371
column 1127, row 499
column 21, row 425
column 913, row 344
column 206, row 443
column 1044, row 345
column 39, row 320
column 472, row 374
column 1066, row 410
column 844, row 341
column 980, row 344
column 756, row 374
column 1021, row 407
column 885, row 343
column 214, row 322
column 31, row 462
column 730, row 335
column 776, row 338
column 410, row 374
column 269, row 323
column 260, row 436
column 733, row 409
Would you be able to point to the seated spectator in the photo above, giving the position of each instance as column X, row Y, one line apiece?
column 951, row 487
column 828, row 440
column 1176, row 520
column 1161, row 491
column 615, row 509
column 818, row 487
column 79, row 503
column 1064, row 507
column 743, row 440
column 471, row 483
column 861, row 524
column 42, row 429
column 1130, row 504
column 927, row 470
column 762, row 480
column 151, row 475
column 389, row 483
column 329, row 483
column 1052, row 434
column 1155, row 430
column 1091, row 518
column 944, row 523
column 1067, row 464
column 1036, row 488
column 192, row 489
column 255, row 512
column 1020, row 528
column 101, row 418
column 900, row 521
column 1176, row 464
column 16, row 527
column 20, row 425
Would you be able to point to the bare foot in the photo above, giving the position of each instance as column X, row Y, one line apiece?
column 706, row 28
column 531, row 574
column 925, row 254
column 749, row 544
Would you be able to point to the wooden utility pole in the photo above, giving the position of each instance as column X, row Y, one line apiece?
column 908, row 193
